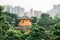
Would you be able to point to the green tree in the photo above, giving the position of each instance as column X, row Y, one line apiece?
column 46, row 21
column 23, row 37
column 33, row 19
column 11, row 17
column 1, row 8
column 12, row 35
column 37, row 33
column 56, row 33
column 4, row 25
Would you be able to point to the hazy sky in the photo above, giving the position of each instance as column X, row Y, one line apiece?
column 42, row 5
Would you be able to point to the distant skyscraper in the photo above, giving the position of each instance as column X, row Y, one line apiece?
column 31, row 12
column 22, row 11
column 55, row 11
column 35, row 13
column 19, row 11
column 16, row 10
column 8, row 8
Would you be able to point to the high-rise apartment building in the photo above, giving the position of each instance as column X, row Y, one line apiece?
column 31, row 12
column 35, row 13
column 19, row 11
column 8, row 8
column 55, row 11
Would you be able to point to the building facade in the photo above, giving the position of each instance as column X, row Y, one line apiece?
column 35, row 13
column 55, row 11
column 8, row 8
